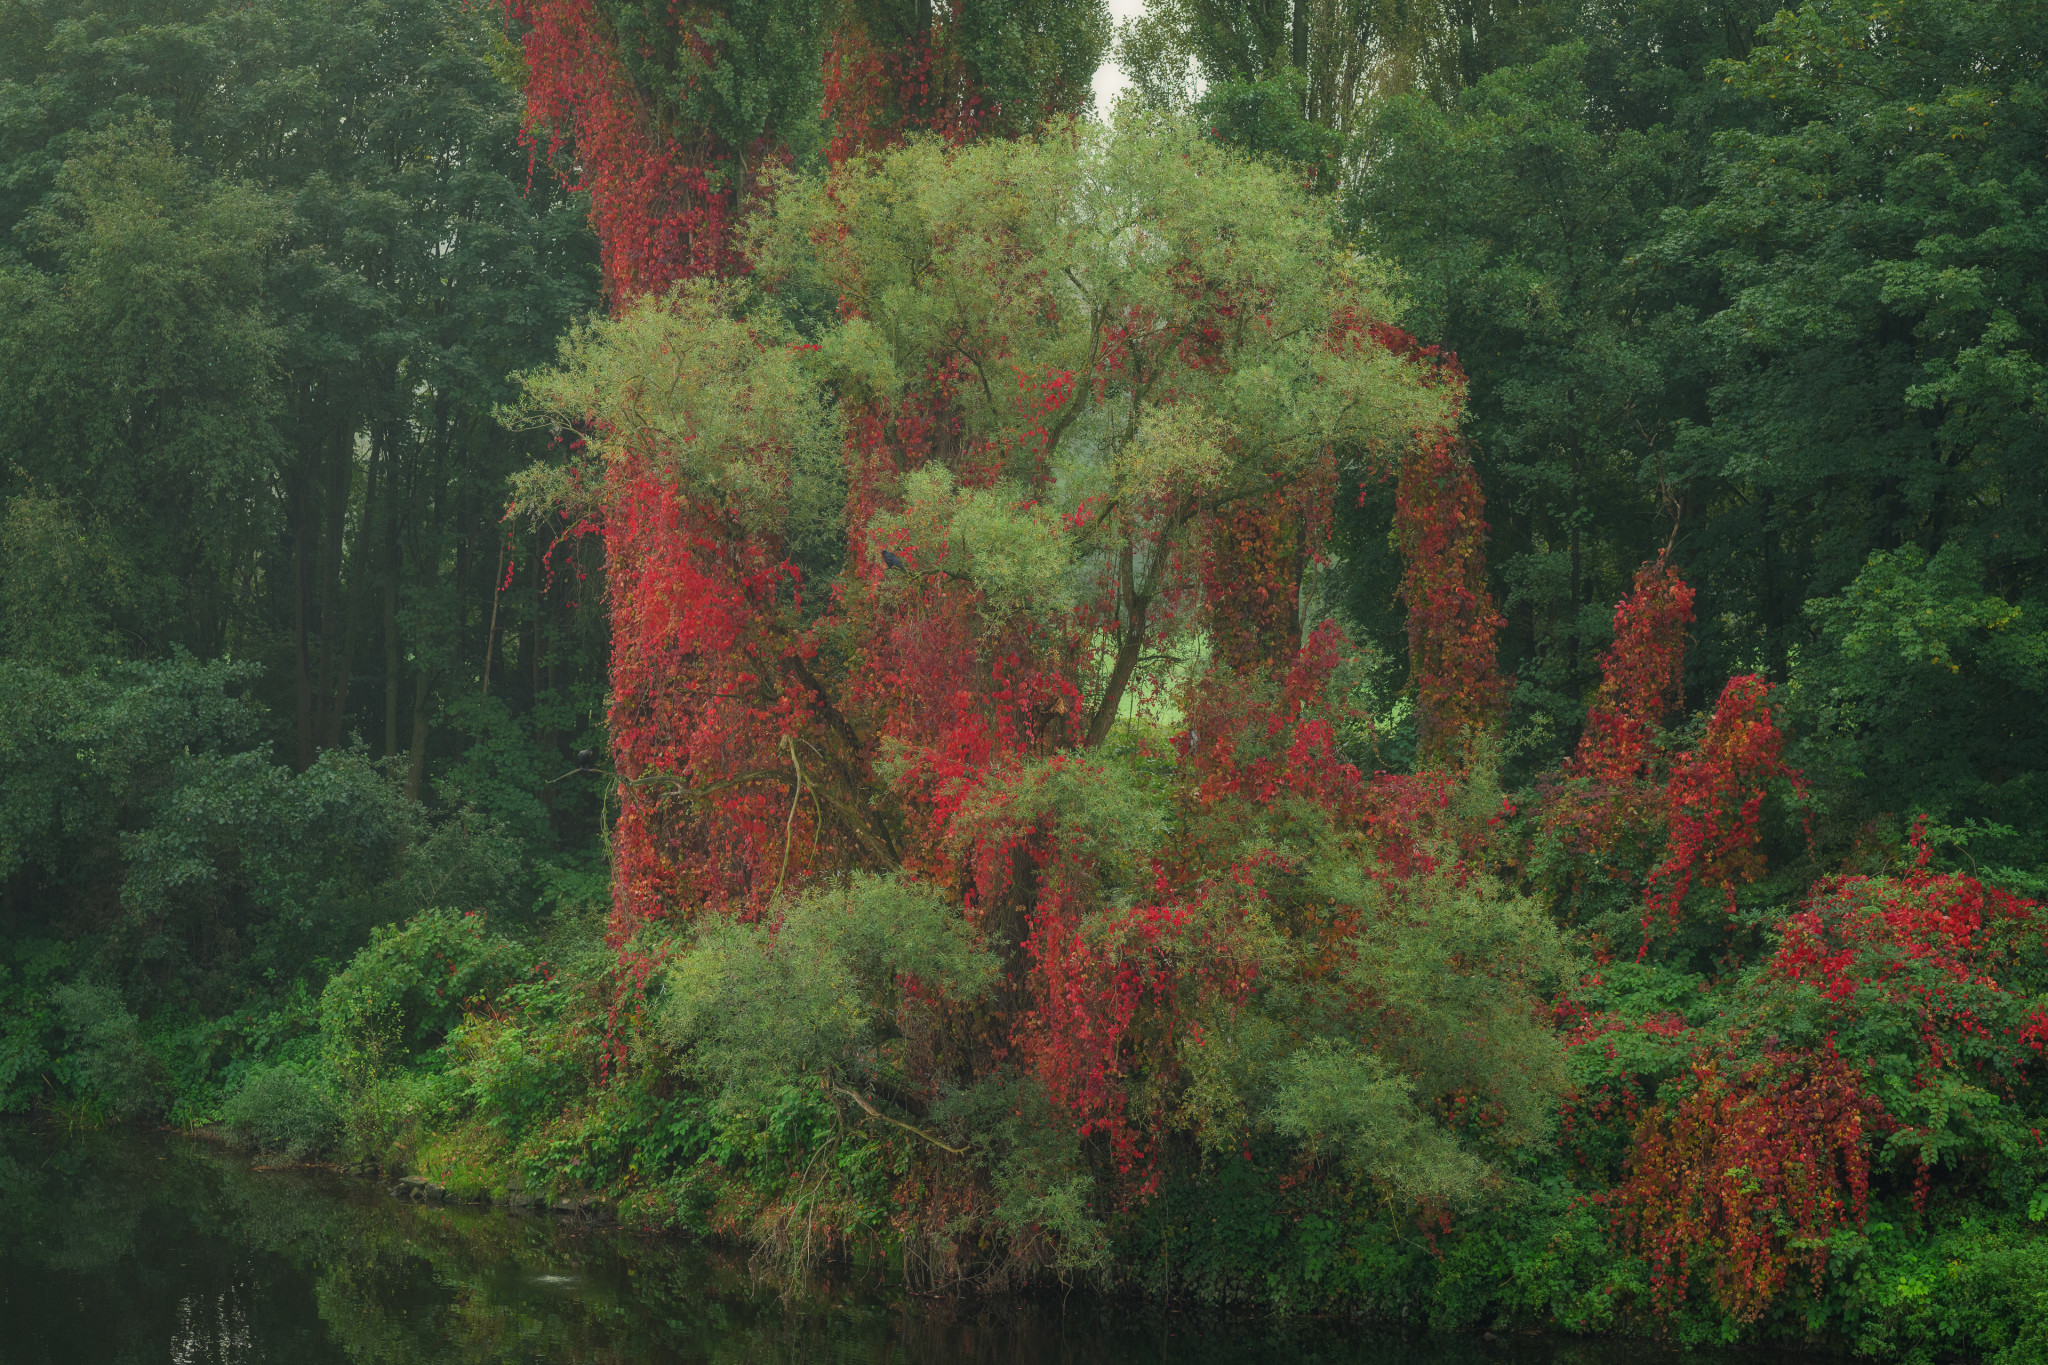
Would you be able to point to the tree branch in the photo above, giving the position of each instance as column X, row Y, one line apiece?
column 875, row 1113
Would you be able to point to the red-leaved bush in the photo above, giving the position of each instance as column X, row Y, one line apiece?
column 1750, row 1175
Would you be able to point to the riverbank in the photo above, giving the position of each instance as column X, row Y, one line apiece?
column 123, row 1245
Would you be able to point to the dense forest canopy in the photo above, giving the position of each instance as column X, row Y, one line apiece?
column 269, row 270
column 1402, row 676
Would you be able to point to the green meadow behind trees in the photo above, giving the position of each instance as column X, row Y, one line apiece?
column 307, row 798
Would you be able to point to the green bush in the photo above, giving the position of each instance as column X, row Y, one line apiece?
column 28, row 967
column 1978, row 1291
column 397, row 1111
column 104, row 1061
column 281, row 1109
column 407, row 991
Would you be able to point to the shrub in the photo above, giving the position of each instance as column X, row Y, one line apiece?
column 281, row 1109
column 104, row 1060
column 27, row 1018
column 407, row 990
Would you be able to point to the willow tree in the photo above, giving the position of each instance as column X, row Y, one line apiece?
column 882, row 590
column 1060, row 369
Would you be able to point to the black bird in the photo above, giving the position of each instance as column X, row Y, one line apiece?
column 893, row 560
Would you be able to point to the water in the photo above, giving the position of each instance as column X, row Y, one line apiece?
column 120, row 1248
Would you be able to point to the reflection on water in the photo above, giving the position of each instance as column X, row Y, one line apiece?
column 211, row 1329
column 125, row 1248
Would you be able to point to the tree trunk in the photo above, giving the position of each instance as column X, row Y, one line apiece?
column 491, row 631
column 305, row 675
column 359, row 577
column 416, row 770
column 533, row 647
column 1129, row 645
column 1575, row 640
column 391, row 566
column 455, row 650
column 1773, row 615
column 392, row 557
column 340, row 479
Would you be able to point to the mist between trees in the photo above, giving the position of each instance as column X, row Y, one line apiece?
column 1401, row 678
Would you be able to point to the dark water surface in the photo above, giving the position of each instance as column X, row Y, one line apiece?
column 127, row 1248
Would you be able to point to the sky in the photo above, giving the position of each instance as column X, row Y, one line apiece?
column 1109, row 79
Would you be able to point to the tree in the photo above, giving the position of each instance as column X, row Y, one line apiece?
column 1337, row 58
column 146, row 360
column 880, row 597
column 267, row 271
column 1042, row 430
column 314, row 329
column 1876, row 390
column 667, row 118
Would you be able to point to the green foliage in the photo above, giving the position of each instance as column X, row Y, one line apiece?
column 28, row 1018
column 408, row 989
column 78, row 752
column 62, row 584
column 752, row 1007
column 105, row 1061
column 1266, row 117
column 943, row 243
column 1516, row 213
column 503, row 774
column 305, row 336
column 522, row 1074
column 1465, row 964
column 1927, row 685
column 1444, row 1089
column 302, row 862
column 738, row 418
column 1348, row 1103
column 1877, row 356
column 1753, row 288
column 281, row 1109
column 1033, row 58
column 1975, row 1290
column 1769, row 295
column 1018, row 256
column 1046, row 1200
column 218, row 870
column 145, row 360
column 1008, row 546
column 245, row 387
column 748, row 73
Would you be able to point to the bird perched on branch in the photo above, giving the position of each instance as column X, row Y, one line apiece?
column 893, row 560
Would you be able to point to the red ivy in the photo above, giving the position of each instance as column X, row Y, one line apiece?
column 1749, row 1177
column 1640, row 676
column 658, row 216
column 1440, row 525
column 1715, row 798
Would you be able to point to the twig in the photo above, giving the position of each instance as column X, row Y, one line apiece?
column 875, row 1113
column 497, row 591
column 789, row 823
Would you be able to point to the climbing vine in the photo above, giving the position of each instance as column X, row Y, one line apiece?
column 962, row 495
column 1440, row 525
column 1751, row 1177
